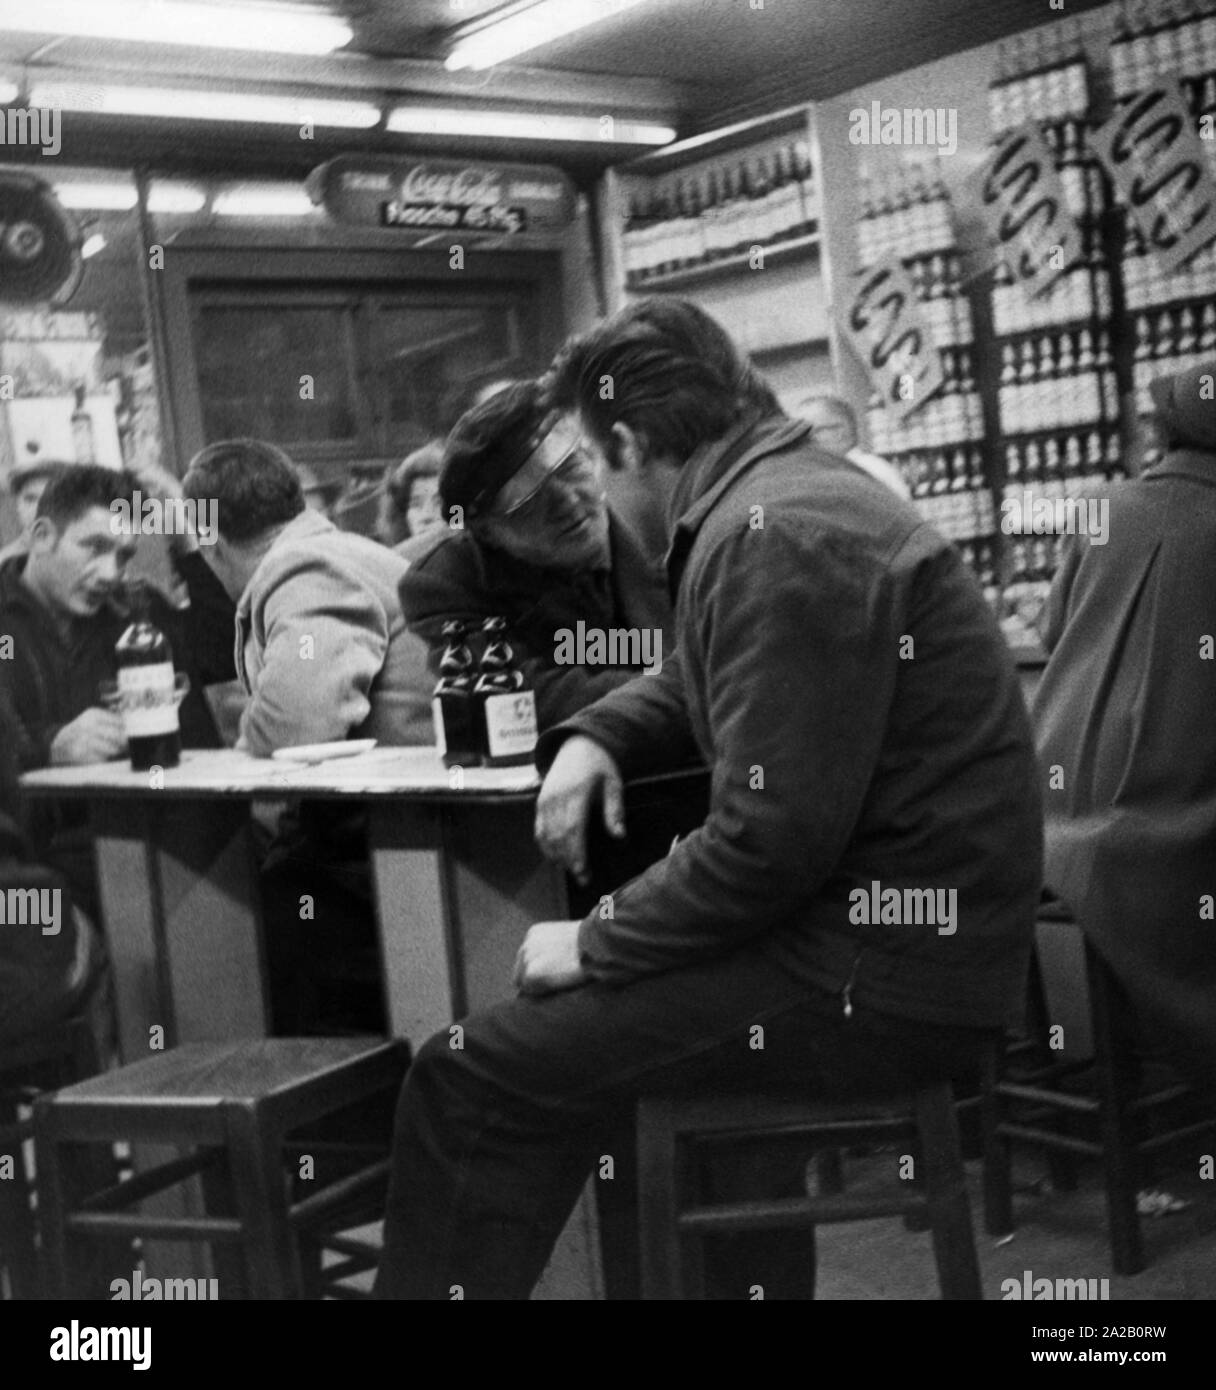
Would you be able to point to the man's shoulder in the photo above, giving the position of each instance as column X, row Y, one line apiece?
column 12, row 591
column 340, row 554
column 816, row 500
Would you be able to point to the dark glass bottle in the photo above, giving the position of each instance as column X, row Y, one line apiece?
column 146, row 688
column 452, row 706
column 504, row 703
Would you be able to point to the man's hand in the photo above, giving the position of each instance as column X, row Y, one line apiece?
column 548, row 960
column 581, row 772
column 95, row 736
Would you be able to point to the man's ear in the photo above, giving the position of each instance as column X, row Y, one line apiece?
column 630, row 452
column 44, row 535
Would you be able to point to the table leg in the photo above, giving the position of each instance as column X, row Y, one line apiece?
column 179, row 899
column 456, row 891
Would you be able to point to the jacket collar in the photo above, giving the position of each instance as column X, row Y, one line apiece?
column 714, row 469
column 1197, row 464
column 308, row 523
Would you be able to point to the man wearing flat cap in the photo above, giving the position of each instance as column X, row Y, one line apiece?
column 1125, row 722
column 531, row 538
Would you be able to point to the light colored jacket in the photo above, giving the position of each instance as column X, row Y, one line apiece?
column 322, row 647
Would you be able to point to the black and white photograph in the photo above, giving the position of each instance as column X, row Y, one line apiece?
column 607, row 668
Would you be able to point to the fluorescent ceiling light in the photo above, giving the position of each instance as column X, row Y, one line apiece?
column 534, row 27
column 9, row 92
column 168, row 104
column 169, row 196
column 263, row 200
column 257, row 28
column 518, row 125
column 117, row 195
column 101, row 197
column 92, row 245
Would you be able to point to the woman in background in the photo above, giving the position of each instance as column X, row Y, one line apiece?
column 409, row 506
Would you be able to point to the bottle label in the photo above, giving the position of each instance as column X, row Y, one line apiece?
column 148, row 700
column 510, row 723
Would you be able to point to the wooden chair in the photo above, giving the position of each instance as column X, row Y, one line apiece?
column 28, row 1067
column 1092, row 1106
column 676, row 1220
column 238, row 1103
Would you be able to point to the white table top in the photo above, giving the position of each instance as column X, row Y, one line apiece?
column 416, row 773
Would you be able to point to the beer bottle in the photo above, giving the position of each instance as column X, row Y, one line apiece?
column 504, row 704
column 146, row 688
column 452, row 706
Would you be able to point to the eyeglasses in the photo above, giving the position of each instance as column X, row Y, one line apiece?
column 556, row 452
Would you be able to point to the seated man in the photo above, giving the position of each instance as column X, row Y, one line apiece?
column 532, row 539
column 62, row 606
column 838, row 666
column 324, row 654
column 322, row 646
column 50, row 963
column 1126, row 735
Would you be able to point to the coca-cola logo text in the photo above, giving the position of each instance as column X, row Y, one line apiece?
column 469, row 187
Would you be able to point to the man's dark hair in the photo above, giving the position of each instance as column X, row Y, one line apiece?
column 400, row 478
column 254, row 484
column 76, row 488
column 36, row 471
column 666, row 369
column 489, row 444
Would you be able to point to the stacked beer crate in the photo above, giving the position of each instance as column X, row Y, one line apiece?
column 938, row 446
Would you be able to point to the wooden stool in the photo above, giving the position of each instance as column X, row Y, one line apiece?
column 673, row 1231
column 238, row 1102
column 28, row 1067
column 1031, row 1094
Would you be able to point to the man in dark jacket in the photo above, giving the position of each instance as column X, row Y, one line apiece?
column 1126, row 732
column 49, row 962
column 838, row 668
column 61, row 614
column 532, row 539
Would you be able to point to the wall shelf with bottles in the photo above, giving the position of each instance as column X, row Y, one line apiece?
column 775, row 253
column 1052, row 369
column 719, row 205
column 1173, row 318
column 938, row 447
column 1073, row 368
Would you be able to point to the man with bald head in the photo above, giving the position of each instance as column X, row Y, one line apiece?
column 834, row 427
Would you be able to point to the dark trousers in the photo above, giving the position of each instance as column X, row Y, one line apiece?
column 500, row 1125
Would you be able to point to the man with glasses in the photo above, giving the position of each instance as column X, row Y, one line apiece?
column 531, row 538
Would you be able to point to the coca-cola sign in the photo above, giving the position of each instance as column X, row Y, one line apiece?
column 456, row 195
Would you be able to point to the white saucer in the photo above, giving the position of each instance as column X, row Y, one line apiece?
column 322, row 752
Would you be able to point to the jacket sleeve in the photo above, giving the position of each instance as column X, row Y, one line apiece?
column 643, row 724
column 800, row 643
column 208, row 626
column 324, row 639
column 449, row 583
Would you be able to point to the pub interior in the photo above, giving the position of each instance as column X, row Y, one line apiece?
column 607, row 645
